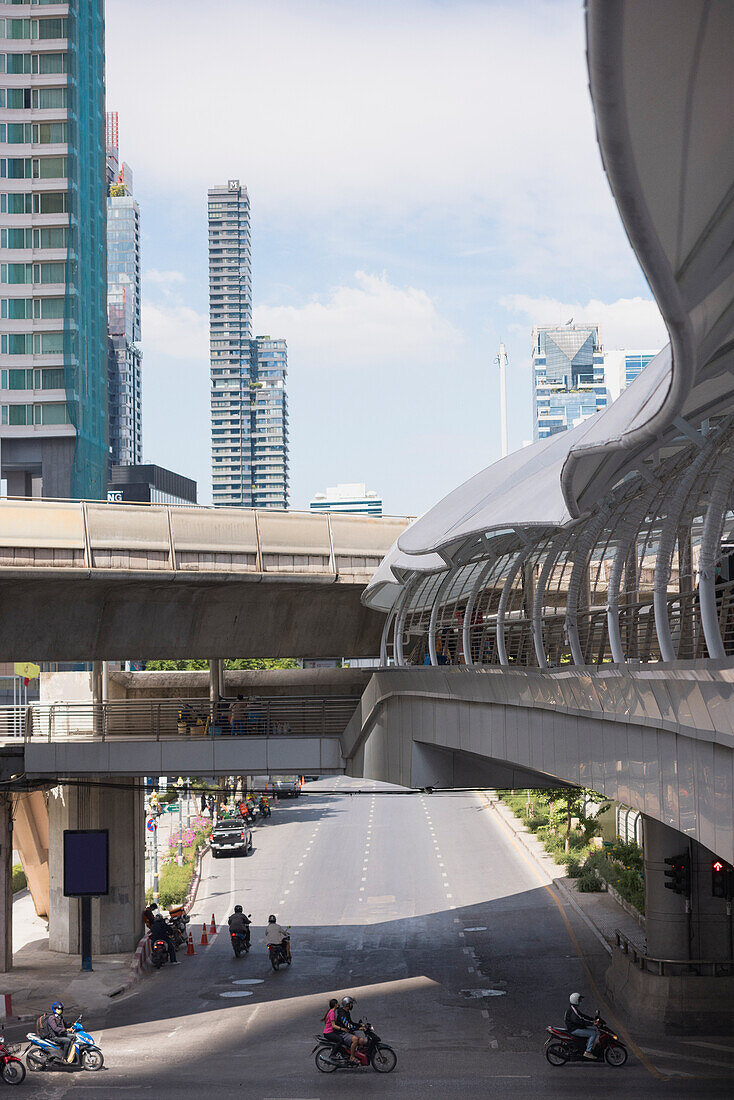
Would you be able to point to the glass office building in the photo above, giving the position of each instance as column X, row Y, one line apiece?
column 123, row 307
column 249, row 411
column 53, row 262
column 568, row 377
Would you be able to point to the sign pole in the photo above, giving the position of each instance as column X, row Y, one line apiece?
column 179, row 859
column 155, row 861
column 86, row 906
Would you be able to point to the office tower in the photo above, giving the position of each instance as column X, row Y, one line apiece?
column 351, row 497
column 123, row 307
column 568, row 377
column 53, row 252
column 248, row 376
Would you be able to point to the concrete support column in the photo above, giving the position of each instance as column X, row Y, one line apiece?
column 116, row 919
column 214, row 682
column 6, row 883
column 668, row 923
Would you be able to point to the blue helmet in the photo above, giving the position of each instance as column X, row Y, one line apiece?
column 57, row 1007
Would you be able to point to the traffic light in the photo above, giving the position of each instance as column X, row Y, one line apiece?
column 679, row 875
column 722, row 880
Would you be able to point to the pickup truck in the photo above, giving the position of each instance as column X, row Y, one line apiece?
column 229, row 837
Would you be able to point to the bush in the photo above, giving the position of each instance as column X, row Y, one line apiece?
column 173, row 884
column 588, row 883
column 537, row 821
column 627, row 881
column 19, row 879
column 573, row 868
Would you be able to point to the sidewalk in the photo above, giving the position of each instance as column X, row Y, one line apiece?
column 40, row 976
column 601, row 910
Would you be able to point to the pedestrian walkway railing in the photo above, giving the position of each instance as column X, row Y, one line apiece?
column 666, row 968
column 157, row 719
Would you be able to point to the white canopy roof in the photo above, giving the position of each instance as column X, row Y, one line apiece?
column 663, row 95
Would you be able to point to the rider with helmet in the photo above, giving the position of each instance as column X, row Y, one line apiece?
column 274, row 934
column 238, row 922
column 578, row 1023
column 347, row 1028
column 57, row 1028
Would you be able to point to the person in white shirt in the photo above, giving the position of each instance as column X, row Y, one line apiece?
column 274, row 934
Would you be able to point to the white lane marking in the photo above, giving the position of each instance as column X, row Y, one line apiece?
column 485, row 1013
column 477, row 993
column 477, row 928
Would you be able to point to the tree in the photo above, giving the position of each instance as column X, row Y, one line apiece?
column 566, row 803
column 233, row 665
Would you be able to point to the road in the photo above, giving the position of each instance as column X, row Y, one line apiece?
column 420, row 906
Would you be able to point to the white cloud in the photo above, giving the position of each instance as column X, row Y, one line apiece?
column 633, row 323
column 163, row 278
column 174, row 329
column 478, row 109
column 371, row 322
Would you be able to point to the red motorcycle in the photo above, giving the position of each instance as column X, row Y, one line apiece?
column 13, row 1070
column 331, row 1055
column 563, row 1046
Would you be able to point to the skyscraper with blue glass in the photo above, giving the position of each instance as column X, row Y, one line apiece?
column 123, row 308
column 53, row 254
column 568, row 377
column 248, row 376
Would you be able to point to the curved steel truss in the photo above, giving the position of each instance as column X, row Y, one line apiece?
column 644, row 576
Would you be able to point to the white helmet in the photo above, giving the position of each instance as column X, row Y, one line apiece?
column 575, row 998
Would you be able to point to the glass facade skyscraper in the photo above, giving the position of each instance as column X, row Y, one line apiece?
column 123, row 308
column 53, row 255
column 249, row 411
column 568, row 377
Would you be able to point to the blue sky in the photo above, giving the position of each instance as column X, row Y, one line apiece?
column 424, row 181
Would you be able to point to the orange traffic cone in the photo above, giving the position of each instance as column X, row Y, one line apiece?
column 212, row 927
column 204, row 937
column 190, row 946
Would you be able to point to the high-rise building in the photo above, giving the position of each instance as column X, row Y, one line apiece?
column 568, row 377
column 53, row 252
column 352, row 497
column 248, row 376
column 123, row 308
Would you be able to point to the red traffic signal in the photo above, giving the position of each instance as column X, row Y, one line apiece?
column 722, row 879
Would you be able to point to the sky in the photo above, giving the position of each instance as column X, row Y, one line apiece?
column 424, row 182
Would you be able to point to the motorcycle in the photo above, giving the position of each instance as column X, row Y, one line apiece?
column 240, row 941
column 178, row 920
column 159, row 953
column 331, row 1055
column 12, row 1069
column 564, row 1047
column 83, row 1053
column 278, row 955
column 265, row 810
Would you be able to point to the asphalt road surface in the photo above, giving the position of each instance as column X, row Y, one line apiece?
column 426, row 911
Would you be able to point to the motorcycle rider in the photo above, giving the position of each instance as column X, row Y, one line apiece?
column 578, row 1023
column 347, row 1028
column 149, row 913
column 274, row 934
column 161, row 930
column 56, row 1027
column 238, row 922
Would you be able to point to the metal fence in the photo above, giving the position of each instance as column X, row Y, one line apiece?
column 702, row 968
column 157, row 719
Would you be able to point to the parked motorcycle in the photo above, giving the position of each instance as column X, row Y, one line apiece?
column 12, row 1069
column 278, row 955
column 331, row 1055
column 564, row 1047
column 83, row 1052
column 159, row 953
column 178, row 920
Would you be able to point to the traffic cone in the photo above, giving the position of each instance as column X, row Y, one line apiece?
column 212, row 927
column 204, row 937
column 190, row 946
